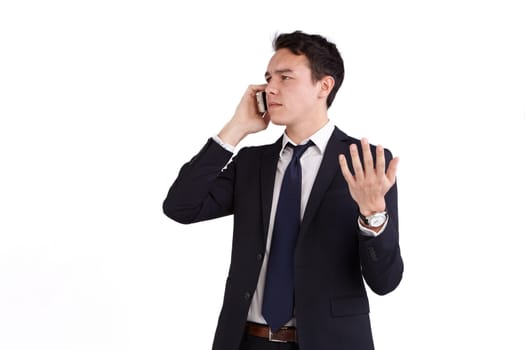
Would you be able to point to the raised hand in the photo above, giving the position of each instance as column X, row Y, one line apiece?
column 370, row 182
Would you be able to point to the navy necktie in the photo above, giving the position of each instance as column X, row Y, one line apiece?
column 278, row 303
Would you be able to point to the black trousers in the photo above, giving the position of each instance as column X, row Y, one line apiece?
column 251, row 342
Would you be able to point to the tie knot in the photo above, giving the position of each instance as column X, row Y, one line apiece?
column 299, row 150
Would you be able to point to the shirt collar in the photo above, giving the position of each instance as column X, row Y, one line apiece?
column 319, row 138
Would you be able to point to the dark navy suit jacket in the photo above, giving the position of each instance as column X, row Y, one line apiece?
column 331, row 258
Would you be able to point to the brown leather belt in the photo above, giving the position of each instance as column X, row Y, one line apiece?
column 283, row 335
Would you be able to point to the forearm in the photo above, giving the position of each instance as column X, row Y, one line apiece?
column 381, row 261
column 200, row 192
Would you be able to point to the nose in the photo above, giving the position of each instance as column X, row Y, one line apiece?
column 271, row 90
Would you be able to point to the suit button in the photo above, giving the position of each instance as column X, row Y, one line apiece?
column 259, row 257
column 247, row 296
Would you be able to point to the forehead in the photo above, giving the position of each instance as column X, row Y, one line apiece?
column 284, row 60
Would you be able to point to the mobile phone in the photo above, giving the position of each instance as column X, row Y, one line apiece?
column 261, row 101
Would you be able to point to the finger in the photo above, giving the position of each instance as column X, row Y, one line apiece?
column 367, row 156
column 356, row 162
column 380, row 160
column 345, row 170
column 392, row 170
column 255, row 88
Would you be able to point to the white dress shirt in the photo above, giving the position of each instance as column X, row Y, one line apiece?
column 310, row 163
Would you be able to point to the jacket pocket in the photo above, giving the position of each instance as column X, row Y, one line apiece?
column 349, row 306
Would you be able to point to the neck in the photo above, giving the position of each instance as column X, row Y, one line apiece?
column 304, row 130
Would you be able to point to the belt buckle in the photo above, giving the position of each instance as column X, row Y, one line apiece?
column 271, row 338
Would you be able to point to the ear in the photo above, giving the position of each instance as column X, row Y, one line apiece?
column 326, row 85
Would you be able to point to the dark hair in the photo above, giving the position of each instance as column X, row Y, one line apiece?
column 323, row 56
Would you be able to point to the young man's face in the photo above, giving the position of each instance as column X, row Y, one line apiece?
column 292, row 96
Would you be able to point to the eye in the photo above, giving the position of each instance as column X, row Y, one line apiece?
column 285, row 77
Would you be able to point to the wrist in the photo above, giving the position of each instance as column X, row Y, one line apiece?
column 374, row 221
column 368, row 212
column 372, row 207
column 231, row 134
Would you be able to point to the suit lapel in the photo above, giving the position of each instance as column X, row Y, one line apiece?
column 328, row 169
column 269, row 160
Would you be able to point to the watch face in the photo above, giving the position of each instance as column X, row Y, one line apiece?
column 376, row 220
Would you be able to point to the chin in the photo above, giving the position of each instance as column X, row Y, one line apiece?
column 278, row 121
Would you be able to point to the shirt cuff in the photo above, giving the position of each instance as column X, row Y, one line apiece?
column 224, row 145
column 371, row 233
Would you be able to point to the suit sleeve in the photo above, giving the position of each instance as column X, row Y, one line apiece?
column 381, row 261
column 203, row 189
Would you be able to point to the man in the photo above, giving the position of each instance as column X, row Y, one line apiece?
column 308, row 225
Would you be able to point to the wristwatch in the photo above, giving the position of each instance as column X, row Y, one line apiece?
column 374, row 220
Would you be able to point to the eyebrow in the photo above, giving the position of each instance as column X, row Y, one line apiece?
column 278, row 71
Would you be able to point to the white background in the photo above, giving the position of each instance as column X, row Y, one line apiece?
column 101, row 102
